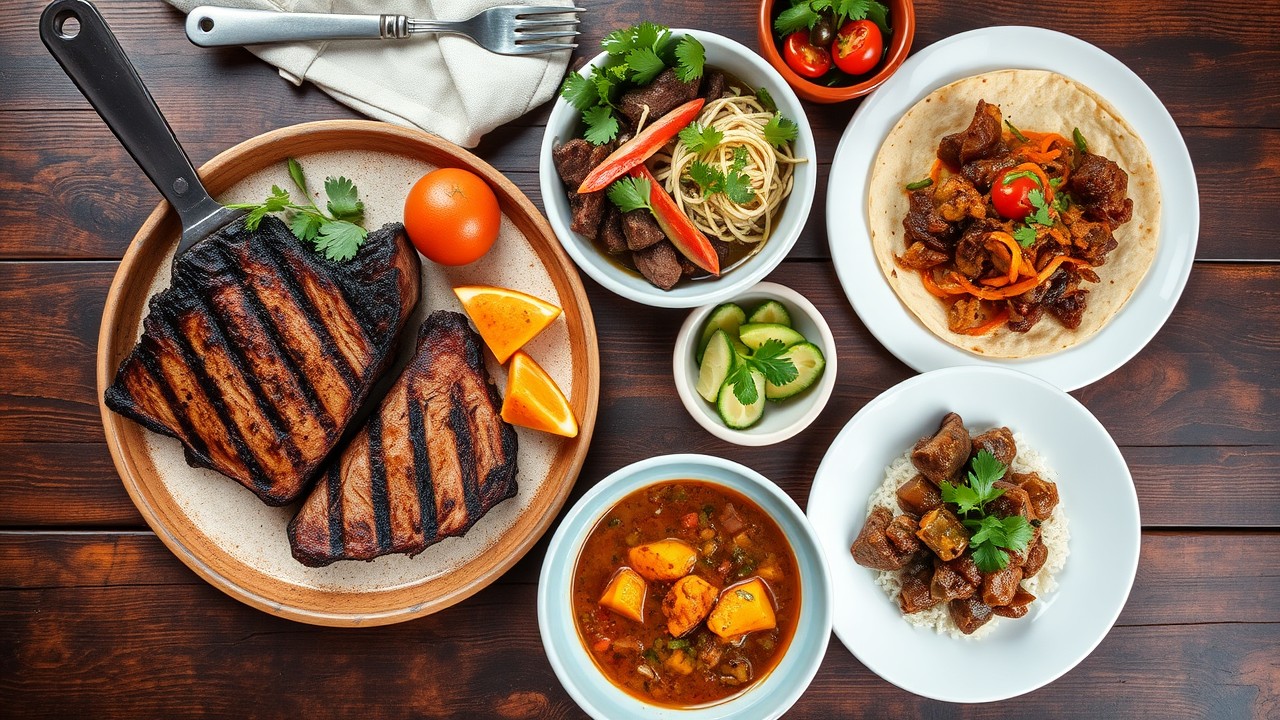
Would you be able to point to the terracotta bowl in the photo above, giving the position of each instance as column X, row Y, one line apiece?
column 902, row 17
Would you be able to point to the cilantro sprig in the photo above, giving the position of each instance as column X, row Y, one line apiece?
column 993, row 537
column 630, row 193
column 337, row 233
column 734, row 183
column 804, row 14
column 780, row 130
column 768, row 362
column 636, row 55
column 1042, row 211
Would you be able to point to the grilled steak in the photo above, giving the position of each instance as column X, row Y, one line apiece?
column 433, row 459
column 261, row 351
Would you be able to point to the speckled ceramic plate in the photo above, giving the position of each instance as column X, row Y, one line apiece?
column 237, row 543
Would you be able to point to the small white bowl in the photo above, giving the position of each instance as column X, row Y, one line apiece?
column 781, row 419
column 747, row 66
column 600, row 698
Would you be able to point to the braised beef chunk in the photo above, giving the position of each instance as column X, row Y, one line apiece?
column 921, row 257
column 999, row 587
column 915, row 594
column 641, row 229
column 969, row 614
column 714, row 85
column 1092, row 240
column 971, row 252
column 957, row 199
column 586, row 210
column 978, row 141
column 1101, row 186
column 982, row 173
column 940, row 457
column 1037, row 553
column 1069, row 307
column 659, row 264
column 1017, row 607
column 918, row 496
column 999, row 442
column 573, row 160
column 924, row 224
column 664, row 94
column 954, row 580
column 872, row 547
column 902, row 533
column 1014, row 501
column 611, row 235
column 1042, row 493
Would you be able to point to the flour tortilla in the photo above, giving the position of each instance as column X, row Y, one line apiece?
column 1032, row 100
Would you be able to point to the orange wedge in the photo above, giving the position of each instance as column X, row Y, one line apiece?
column 534, row 400
column 506, row 319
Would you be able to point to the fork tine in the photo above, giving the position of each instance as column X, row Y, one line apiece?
column 530, row 24
column 536, row 10
column 537, row 49
column 527, row 36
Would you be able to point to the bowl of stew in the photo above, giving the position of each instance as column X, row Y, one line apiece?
column 685, row 586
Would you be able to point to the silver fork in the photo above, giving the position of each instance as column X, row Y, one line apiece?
column 506, row 29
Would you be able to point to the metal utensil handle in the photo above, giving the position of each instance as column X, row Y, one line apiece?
column 80, row 40
column 210, row 26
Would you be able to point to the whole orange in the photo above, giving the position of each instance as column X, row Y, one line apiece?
column 452, row 216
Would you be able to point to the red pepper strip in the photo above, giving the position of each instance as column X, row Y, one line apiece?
column 1015, row 252
column 1017, row 288
column 990, row 325
column 638, row 149
column 677, row 226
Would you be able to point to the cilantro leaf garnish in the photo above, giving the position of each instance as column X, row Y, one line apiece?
column 766, row 100
column 780, row 130
column 645, row 65
column 690, row 58
column 767, row 361
column 804, row 14
column 992, row 536
column 1041, row 216
column 602, row 126
column 580, row 91
column 630, row 193
column 338, row 234
column 797, row 17
column 1025, row 235
column 707, row 178
column 699, row 138
column 734, row 183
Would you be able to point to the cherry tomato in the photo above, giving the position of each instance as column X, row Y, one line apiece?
column 823, row 31
column 452, row 216
column 801, row 56
column 1010, row 198
column 858, row 47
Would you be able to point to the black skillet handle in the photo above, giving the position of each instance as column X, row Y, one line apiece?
column 79, row 39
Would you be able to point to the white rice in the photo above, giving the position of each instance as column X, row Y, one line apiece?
column 1053, row 532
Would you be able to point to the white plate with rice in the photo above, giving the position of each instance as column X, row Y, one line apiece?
column 1093, row 537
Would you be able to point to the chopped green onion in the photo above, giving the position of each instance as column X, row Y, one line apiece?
column 920, row 184
column 1016, row 132
column 1081, row 145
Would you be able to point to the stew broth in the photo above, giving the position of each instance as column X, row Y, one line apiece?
column 736, row 549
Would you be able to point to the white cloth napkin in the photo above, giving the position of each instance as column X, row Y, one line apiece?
column 445, row 85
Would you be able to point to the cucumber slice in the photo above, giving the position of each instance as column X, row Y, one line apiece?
column 771, row 312
column 735, row 414
column 717, row 361
column 726, row 317
column 757, row 334
column 809, row 363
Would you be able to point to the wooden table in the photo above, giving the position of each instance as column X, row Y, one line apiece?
column 99, row 620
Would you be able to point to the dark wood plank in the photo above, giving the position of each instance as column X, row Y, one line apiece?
column 63, row 485
column 59, row 666
column 1182, row 579
column 85, row 200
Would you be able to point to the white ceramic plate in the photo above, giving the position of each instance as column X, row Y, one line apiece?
column 1097, row 496
column 980, row 51
column 600, row 698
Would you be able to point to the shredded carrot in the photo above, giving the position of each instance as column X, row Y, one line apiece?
column 989, row 325
column 926, row 277
column 1015, row 252
column 935, row 173
column 995, row 282
column 1017, row 288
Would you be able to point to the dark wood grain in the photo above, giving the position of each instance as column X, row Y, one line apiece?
column 99, row 620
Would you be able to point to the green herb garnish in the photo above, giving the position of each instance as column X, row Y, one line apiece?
column 1041, row 216
column 1016, row 132
column 700, row 139
column 337, row 233
column 690, row 58
column 630, row 193
column 992, row 537
column 1081, row 145
column 766, row 100
column 1025, row 235
column 734, row 183
column 780, row 130
column 804, row 14
column 920, row 184
column 767, row 360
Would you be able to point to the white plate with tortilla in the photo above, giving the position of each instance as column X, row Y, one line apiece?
column 1097, row 500
column 973, row 53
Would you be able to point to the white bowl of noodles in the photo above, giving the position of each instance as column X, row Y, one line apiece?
column 744, row 68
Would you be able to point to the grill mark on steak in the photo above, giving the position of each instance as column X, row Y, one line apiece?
column 242, row 358
column 333, row 489
column 378, row 484
column 411, row 476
